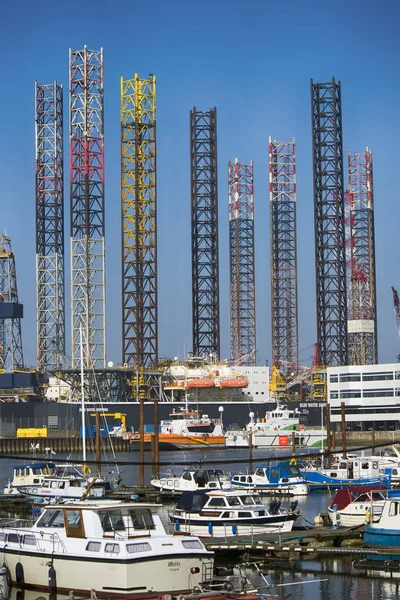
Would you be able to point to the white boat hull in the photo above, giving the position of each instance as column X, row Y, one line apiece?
column 151, row 574
column 281, row 439
column 227, row 531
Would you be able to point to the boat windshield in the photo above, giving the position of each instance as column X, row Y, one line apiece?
column 233, row 501
column 51, row 518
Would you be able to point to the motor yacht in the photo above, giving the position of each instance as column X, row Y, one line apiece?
column 192, row 480
column 228, row 514
column 113, row 548
column 284, row 478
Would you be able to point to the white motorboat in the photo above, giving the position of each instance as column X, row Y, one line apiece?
column 65, row 488
column 275, row 430
column 284, row 478
column 353, row 505
column 343, row 473
column 192, row 480
column 113, row 548
column 227, row 514
column 31, row 475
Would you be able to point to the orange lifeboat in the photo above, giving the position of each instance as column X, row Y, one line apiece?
column 200, row 383
column 234, row 382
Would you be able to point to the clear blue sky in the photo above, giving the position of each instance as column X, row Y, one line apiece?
column 253, row 60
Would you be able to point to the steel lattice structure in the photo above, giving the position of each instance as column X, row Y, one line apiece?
column 50, row 297
column 87, row 206
column 284, row 302
column 11, row 311
column 241, row 260
column 361, row 301
column 330, row 253
column 139, row 221
column 204, row 217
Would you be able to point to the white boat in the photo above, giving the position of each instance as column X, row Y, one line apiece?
column 31, row 475
column 275, row 430
column 54, row 489
column 192, row 480
column 113, row 548
column 283, row 478
column 229, row 514
column 353, row 505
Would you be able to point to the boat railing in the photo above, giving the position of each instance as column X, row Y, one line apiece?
column 38, row 539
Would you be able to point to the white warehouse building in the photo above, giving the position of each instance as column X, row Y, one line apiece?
column 371, row 394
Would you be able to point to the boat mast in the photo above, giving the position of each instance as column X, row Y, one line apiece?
column 82, row 398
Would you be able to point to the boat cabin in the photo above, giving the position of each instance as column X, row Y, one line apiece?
column 279, row 474
column 221, row 504
column 32, row 474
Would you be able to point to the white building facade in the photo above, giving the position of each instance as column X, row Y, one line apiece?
column 371, row 395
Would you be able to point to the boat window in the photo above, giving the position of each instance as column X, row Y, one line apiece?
column 243, row 478
column 2, row 537
column 274, row 473
column 260, row 472
column 244, row 514
column 192, row 544
column 374, row 465
column 233, row 501
column 143, row 547
column 364, row 465
column 93, row 546
column 333, row 474
column 247, row 500
column 13, row 538
column 142, row 518
column 112, row 548
column 362, row 498
column 294, row 471
column 51, row 518
column 187, row 476
column 343, row 465
column 257, row 500
column 394, row 509
column 225, row 515
column 74, row 523
column 29, row 540
column 377, row 496
column 37, row 471
column 217, row 502
column 112, row 520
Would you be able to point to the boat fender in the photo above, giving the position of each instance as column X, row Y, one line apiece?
column 19, row 573
column 159, row 500
column 177, row 525
column 234, row 529
column 293, row 461
column 210, row 528
column 7, row 574
column 52, row 579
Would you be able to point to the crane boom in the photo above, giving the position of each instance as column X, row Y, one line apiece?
column 396, row 305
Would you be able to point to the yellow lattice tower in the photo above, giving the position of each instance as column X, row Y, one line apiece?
column 139, row 227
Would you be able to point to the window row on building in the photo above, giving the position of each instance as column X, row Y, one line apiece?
column 350, row 377
column 375, row 393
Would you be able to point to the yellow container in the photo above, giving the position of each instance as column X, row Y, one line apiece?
column 32, row 432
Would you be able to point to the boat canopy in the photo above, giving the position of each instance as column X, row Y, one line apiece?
column 277, row 472
column 36, row 465
column 344, row 497
column 193, row 501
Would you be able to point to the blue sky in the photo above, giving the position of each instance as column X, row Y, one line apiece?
column 253, row 61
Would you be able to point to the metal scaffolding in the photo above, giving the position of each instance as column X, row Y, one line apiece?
column 87, row 206
column 241, row 254
column 330, row 253
column 11, row 311
column 49, row 182
column 284, row 302
column 139, row 221
column 204, row 214
column 361, row 301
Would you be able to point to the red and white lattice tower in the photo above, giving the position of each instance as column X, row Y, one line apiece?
column 361, row 278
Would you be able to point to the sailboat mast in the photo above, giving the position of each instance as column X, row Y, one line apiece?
column 82, row 398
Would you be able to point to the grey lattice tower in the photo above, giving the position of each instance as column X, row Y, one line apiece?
column 49, row 183
column 11, row 311
column 87, row 206
column 241, row 260
column 330, row 254
column 361, row 288
column 284, row 303
column 204, row 202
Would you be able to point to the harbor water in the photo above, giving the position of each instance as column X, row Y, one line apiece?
column 298, row 579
